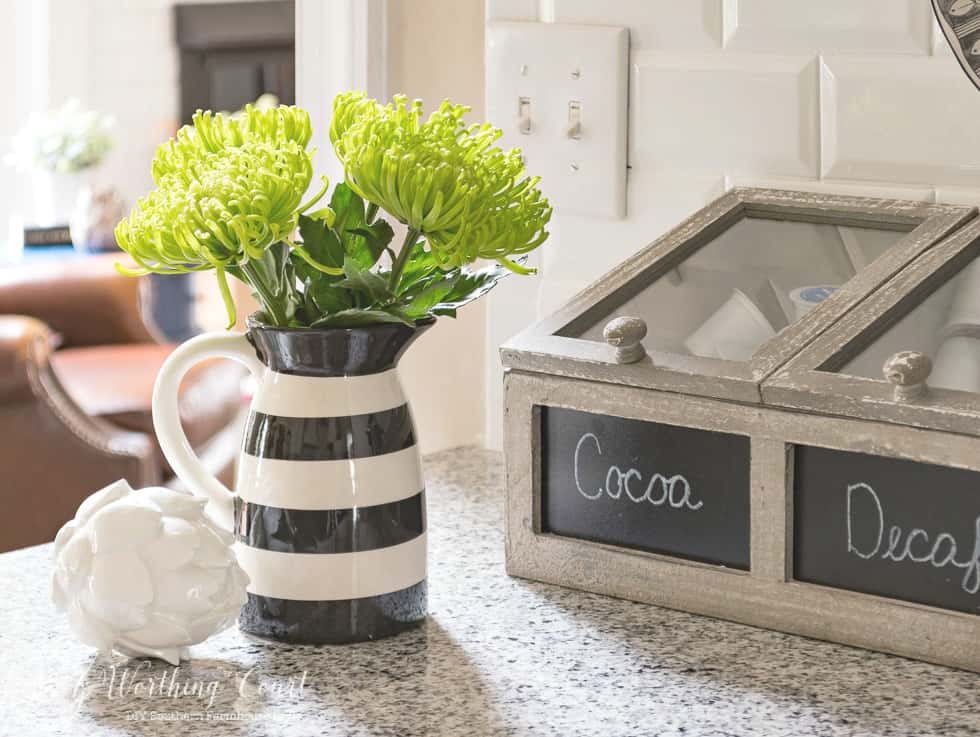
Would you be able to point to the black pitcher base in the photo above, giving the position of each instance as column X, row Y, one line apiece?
column 334, row 622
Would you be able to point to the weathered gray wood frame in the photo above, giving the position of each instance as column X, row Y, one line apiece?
column 808, row 381
column 766, row 595
column 546, row 347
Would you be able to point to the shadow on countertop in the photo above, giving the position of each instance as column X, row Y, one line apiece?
column 297, row 689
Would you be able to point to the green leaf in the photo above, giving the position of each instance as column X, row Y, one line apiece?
column 362, row 242
column 307, row 311
column 276, row 261
column 468, row 286
column 421, row 265
column 379, row 230
column 366, row 244
column 324, row 214
column 365, row 282
column 442, row 293
column 303, row 270
column 349, row 208
column 355, row 317
column 327, row 297
column 432, row 294
column 321, row 243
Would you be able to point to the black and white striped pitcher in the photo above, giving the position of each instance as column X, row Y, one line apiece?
column 329, row 513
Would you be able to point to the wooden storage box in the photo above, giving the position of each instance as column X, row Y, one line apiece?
column 719, row 463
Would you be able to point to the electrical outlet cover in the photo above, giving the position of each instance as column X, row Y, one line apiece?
column 544, row 78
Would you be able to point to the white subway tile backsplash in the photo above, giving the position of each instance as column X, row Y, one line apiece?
column 868, row 26
column 880, row 190
column 512, row 10
column 584, row 248
column 856, row 97
column 708, row 113
column 899, row 119
column 653, row 24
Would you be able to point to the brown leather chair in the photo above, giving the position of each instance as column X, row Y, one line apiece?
column 77, row 365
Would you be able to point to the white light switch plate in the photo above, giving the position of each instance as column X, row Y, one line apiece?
column 546, row 70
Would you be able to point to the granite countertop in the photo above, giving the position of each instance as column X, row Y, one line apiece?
column 497, row 656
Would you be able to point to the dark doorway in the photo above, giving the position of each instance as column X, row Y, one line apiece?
column 231, row 53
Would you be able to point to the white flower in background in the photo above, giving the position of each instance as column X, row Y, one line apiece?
column 265, row 101
column 146, row 572
column 62, row 141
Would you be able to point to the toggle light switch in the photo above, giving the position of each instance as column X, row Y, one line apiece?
column 524, row 115
column 569, row 71
column 574, row 127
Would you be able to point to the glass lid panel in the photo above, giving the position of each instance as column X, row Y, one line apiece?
column 945, row 326
column 742, row 287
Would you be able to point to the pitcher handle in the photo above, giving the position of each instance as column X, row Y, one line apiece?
column 166, row 415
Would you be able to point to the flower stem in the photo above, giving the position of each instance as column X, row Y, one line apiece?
column 370, row 213
column 402, row 259
column 270, row 306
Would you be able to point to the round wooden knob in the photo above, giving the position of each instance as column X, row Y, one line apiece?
column 626, row 334
column 908, row 372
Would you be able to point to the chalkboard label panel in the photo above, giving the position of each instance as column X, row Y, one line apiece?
column 664, row 489
column 888, row 526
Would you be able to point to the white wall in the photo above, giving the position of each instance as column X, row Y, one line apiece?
column 132, row 74
column 852, row 96
column 120, row 57
column 25, row 37
column 444, row 372
column 117, row 57
column 431, row 49
column 10, row 118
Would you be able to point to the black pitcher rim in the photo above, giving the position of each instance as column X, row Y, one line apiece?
column 253, row 322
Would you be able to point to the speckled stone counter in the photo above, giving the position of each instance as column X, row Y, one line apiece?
column 497, row 656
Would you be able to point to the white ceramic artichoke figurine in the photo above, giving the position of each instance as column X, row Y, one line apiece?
column 146, row 572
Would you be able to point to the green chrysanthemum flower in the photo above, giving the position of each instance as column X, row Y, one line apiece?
column 446, row 180
column 209, row 133
column 228, row 197
column 227, row 189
